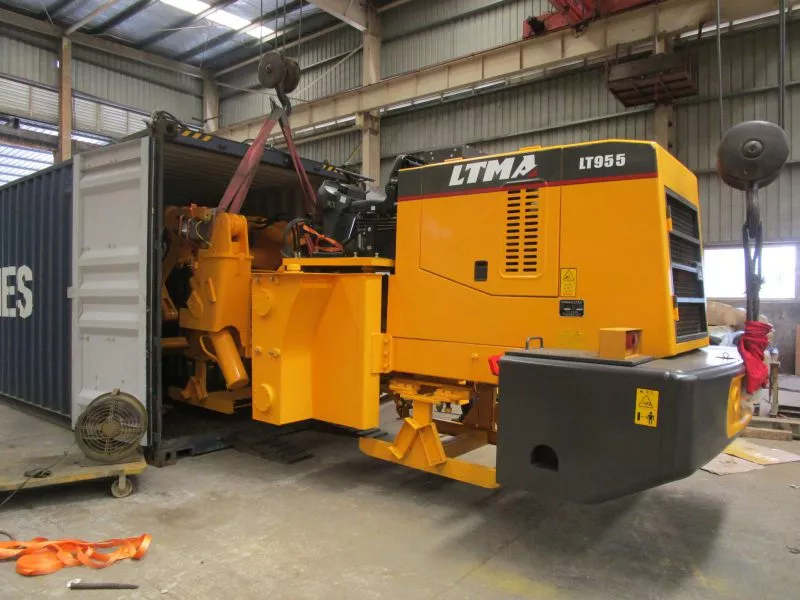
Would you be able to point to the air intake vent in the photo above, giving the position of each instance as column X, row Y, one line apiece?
column 692, row 319
column 684, row 217
column 522, row 233
column 687, row 270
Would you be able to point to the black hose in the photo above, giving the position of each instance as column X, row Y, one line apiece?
column 290, row 226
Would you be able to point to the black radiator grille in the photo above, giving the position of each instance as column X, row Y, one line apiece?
column 684, row 218
column 687, row 270
column 684, row 252
column 692, row 320
column 685, row 284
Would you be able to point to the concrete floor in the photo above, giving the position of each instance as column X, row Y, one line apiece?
column 341, row 525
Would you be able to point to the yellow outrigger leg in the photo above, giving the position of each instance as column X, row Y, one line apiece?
column 418, row 444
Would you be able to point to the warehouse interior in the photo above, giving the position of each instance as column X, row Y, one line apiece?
column 344, row 436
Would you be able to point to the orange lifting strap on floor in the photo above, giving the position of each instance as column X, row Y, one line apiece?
column 41, row 556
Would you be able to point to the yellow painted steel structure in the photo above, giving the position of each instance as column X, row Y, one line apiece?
column 317, row 346
column 313, row 327
column 446, row 325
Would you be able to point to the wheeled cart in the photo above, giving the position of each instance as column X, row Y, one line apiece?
column 71, row 468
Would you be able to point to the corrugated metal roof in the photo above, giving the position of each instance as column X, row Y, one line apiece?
column 80, row 9
column 20, row 161
column 152, row 19
column 177, row 24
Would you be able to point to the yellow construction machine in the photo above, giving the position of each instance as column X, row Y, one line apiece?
column 555, row 294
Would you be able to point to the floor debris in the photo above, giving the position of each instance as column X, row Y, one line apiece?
column 742, row 456
column 727, row 465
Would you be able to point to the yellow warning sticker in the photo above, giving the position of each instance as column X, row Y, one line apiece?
column 646, row 408
column 569, row 282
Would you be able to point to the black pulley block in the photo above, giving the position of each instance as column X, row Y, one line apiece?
column 271, row 70
column 292, row 76
column 278, row 72
column 752, row 154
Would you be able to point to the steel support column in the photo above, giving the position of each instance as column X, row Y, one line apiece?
column 65, row 101
column 210, row 105
column 370, row 121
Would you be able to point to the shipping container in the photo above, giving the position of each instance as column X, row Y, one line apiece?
column 84, row 241
column 35, row 321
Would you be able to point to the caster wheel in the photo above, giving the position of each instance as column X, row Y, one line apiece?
column 122, row 491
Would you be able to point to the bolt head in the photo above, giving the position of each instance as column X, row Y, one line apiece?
column 752, row 148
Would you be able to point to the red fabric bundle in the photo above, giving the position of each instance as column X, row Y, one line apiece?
column 752, row 346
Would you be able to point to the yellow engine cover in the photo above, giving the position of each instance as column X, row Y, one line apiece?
column 558, row 243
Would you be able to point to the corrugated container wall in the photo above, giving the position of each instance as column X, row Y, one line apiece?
column 420, row 34
column 325, row 66
column 35, row 317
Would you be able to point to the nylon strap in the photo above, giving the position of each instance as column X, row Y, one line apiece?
column 239, row 185
column 305, row 183
column 41, row 556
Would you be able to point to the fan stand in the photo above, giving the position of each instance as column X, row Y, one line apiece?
column 108, row 434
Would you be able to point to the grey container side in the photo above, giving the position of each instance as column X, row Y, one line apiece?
column 35, row 321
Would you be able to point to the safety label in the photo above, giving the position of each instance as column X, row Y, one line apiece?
column 646, row 407
column 569, row 282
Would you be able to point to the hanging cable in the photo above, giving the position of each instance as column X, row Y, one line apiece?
column 782, row 65
column 329, row 71
column 284, row 26
column 261, row 30
column 719, row 72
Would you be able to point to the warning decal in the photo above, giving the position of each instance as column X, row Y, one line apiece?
column 646, row 408
column 569, row 282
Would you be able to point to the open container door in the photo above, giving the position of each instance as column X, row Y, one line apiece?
column 111, row 188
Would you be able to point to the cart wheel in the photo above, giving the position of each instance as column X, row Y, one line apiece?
column 122, row 487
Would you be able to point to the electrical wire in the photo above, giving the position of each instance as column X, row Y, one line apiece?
column 290, row 228
column 49, row 18
column 329, row 71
